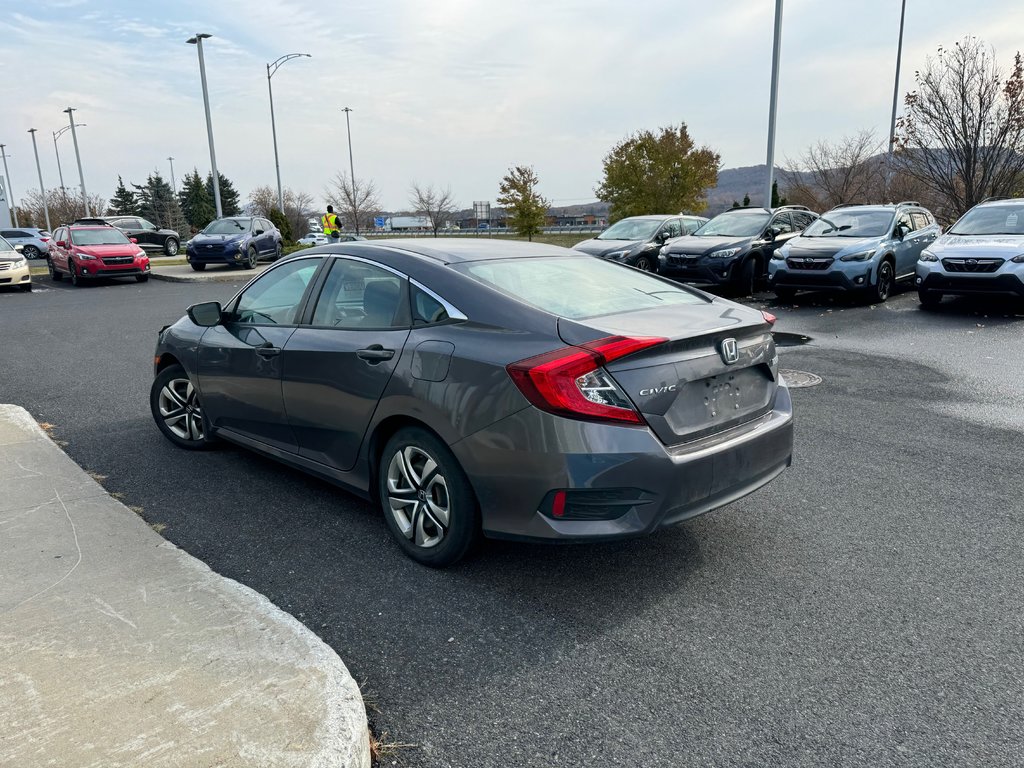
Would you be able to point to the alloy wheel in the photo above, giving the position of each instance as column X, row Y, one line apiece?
column 180, row 409
column 251, row 261
column 30, row 252
column 418, row 499
column 643, row 263
column 884, row 286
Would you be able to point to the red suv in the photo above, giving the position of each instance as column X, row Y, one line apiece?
column 89, row 251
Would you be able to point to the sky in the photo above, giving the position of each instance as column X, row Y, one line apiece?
column 449, row 93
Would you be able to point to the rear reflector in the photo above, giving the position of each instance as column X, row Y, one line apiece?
column 569, row 381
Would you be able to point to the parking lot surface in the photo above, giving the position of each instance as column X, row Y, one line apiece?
column 864, row 609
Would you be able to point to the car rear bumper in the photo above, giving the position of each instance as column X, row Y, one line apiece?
column 518, row 463
column 966, row 284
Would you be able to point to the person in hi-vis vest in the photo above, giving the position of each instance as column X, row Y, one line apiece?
column 329, row 222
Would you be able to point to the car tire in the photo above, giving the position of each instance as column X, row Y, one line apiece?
column 882, row 288
column 177, row 410
column 422, row 489
column 54, row 274
column 31, row 252
column 785, row 294
column 26, row 287
column 644, row 264
column 746, row 277
column 251, row 258
column 197, row 267
column 142, row 278
column 171, row 246
column 73, row 274
column 278, row 251
column 929, row 299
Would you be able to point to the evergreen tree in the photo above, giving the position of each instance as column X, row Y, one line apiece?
column 123, row 202
column 746, row 201
column 196, row 201
column 230, row 200
column 156, row 203
column 776, row 199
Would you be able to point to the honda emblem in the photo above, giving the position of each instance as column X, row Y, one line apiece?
column 730, row 352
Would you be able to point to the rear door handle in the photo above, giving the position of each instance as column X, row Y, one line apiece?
column 268, row 350
column 375, row 353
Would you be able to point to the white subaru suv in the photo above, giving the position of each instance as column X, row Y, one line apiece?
column 983, row 253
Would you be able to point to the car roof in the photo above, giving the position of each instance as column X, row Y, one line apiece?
column 652, row 217
column 90, row 226
column 449, row 250
column 1003, row 201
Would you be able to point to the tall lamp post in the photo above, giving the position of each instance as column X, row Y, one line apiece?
column 174, row 187
column 78, row 158
column 198, row 42
column 773, row 103
column 42, row 189
column 10, row 194
column 896, row 85
column 271, row 69
column 351, row 169
column 57, row 135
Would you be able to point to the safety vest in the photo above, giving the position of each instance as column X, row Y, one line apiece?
column 329, row 221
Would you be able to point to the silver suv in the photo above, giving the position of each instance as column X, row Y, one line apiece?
column 35, row 243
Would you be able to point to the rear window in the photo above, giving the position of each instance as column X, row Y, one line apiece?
column 577, row 287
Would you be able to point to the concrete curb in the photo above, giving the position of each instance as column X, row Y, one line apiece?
column 119, row 649
column 185, row 274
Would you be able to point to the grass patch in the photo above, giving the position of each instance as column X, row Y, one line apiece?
column 158, row 527
column 383, row 747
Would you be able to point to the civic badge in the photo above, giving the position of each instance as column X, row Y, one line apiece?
column 729, row 350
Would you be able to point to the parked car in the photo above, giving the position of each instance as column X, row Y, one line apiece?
column 313, row 238
column 14, row 271
column 461, row 385
column 149, row 236
column 734, row 248
column 982, row 253
column 88, row 251
column 635, row 240
column 862, row 248
column 35, row 242
column 238, row 240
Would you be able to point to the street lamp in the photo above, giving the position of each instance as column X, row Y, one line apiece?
column 773, row 103
column 198, row 42
column 174, row 187
column 271, row 69
column 351, row 170
column 896, row 85
column 42, row 189
column 57, row 135
column 74, row 137
column 10, row 194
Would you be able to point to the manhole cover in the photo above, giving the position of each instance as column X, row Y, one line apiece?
column 798, row 379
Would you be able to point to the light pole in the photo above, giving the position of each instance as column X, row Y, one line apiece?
column 78, row 158
column 174, row 187
column 42, row 189
column 57, row 135
column 773, row 103
column 10, row 194
column 351, row 171
column 271, row 69
column 896, row 85
column 197, row 41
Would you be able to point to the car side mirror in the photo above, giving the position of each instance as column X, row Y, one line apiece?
column 19, row 248
column 206, row 315
column 770, row 234
column 134, row 240
column 899, row 233
column 258, row 232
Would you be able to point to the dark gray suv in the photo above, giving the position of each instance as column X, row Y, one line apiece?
column 460, row 384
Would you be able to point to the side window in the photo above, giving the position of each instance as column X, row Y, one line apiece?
column 127, row 223
column 257, row 225
column 426, row 309
column 60, row 235
column 143, row 224
column 8, row 233
column 803, row 220
column 672, row 228
column 360, row 295
column 903, row 220
column 690, row 226
column 274, row 299
column 920, row 220
column 782, row 224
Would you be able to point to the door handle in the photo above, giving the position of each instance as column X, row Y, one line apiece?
column 375, row 353
column 268, row 350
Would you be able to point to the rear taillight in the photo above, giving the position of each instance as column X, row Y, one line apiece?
column 45, row 239
column 572, row 382
column 768, row 317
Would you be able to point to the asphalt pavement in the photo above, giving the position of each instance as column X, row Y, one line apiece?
column 864, row 609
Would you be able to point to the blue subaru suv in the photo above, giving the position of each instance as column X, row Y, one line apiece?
column 983, row 253
column 860, row 248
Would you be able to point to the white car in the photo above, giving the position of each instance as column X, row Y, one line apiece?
column 313, row 238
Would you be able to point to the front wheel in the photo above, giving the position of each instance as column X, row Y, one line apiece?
column 26, row 287
column 428, row 503
column 883, row 283
column 746, row 278
column 177, row 409
column 251, row 258
column 73, row 272
column 278, row 251
column 644, row 264
column 171, row 245
column 929, row 299
column 785, row 294
column 142, row 278
column 197, row 267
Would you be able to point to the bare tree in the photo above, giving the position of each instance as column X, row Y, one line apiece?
column 849, row 170
column 298, row 209
column 262, row 200
column 962, row 134
column 63, row 208
column 438, row 205
column 356, row 200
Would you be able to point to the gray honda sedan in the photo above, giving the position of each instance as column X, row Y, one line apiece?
column 514, row 390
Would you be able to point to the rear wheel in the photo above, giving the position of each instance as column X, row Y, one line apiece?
column 428, row 503
column 251, row 258
column 929, row 298
column 30, row 252
column 171, row 246
column 54, row 274
column 883, row 283
column 177, row 409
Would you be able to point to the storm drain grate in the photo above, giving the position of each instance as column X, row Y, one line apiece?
column 799, row 379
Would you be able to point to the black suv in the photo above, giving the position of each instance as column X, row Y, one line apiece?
column 148, row 235
column 734, row 248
